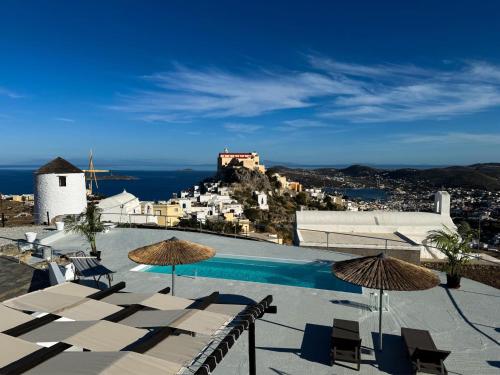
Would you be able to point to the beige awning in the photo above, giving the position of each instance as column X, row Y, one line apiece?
column 225, row 309
column 72, row 289
column 193, row 320
column 13, row 348
column 90, row 310
column 154, row 300
column 200, row 321
column 109, row 363
column 93, row 335
column 181, row 349
column 10, row 318
column 42, row 301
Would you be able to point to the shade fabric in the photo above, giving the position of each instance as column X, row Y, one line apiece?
column 198, row 321
column 181, row 349
column 72, row 289
column 384, row 272
column 90, row 310
column 43, row 301
column 171, row 252
column 93, row 335
column 109, row 363
column 10, row 318
column 201, row 321
column 13, row 348
column 154, row 300
column 225, row 309
column 153, row 318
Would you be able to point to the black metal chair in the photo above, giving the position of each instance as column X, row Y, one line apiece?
column 86, row 266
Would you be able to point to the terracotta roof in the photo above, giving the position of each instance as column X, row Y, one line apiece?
column 58, row 165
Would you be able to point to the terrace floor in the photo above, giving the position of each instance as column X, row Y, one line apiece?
column 296, row 340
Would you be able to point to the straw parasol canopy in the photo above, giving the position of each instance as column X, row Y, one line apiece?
column 171, row 252
column 385, row 273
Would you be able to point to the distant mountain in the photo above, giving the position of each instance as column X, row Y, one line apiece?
column 477, row 176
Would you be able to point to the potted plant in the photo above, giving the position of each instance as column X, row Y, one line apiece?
column 87, row 224
column 456, row 246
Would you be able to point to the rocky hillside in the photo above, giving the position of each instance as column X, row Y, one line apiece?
column 246, row 178
column 477, row 176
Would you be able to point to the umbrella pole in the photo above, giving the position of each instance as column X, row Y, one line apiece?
column 380, row 319
column 173, row 279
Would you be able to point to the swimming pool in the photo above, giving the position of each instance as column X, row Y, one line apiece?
column 315, row 274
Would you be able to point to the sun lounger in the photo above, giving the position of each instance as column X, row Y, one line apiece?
column 423, row 353
column 345, row 342
column 91, row 267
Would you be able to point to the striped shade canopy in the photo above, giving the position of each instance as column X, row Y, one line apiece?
column 171, row 252
column 385, row 272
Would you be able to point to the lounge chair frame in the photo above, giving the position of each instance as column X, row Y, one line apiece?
column 423, row 353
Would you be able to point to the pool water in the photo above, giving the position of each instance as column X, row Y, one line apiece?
column 316, row 274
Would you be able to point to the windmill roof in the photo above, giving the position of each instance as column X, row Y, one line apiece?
column 58, row 165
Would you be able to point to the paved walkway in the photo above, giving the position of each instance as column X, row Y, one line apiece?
column 295, row 341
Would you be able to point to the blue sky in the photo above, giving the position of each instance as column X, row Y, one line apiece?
column 164, row 83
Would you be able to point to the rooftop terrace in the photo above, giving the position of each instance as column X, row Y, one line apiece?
column 296, row 340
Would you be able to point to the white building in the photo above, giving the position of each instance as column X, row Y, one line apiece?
column 59, row 190
column 373, row 231
column 261, row 200
column 126, row 208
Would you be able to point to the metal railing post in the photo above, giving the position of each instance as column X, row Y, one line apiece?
column 251, row 349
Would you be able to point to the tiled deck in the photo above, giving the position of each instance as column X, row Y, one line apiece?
column 295, row 341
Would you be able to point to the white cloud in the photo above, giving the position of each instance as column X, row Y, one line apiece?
column 9, row 93
column 301, row 124
column 358, row 93
column 445, row 138
column 242, row 128
column 64, row 119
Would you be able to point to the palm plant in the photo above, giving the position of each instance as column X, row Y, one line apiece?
column 87, row 224
column 456, row 246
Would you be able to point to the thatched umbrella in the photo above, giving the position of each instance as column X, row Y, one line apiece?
column 170, row 253
column 385, row 273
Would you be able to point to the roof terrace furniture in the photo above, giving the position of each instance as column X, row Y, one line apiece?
column 345, row 342
column 110, row 336
column 385, row 273
column 91, row 267
column 423, row 353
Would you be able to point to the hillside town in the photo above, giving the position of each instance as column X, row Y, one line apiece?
column 245, row 198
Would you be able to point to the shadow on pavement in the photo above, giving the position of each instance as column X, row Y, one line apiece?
column 393, row 359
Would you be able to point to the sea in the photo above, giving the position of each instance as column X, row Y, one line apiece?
column 148, row 185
